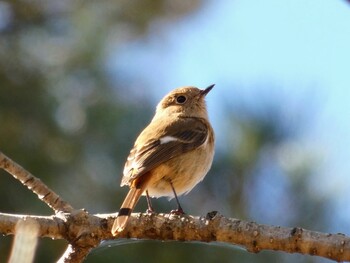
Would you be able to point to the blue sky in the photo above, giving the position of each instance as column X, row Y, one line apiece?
column 290, row 50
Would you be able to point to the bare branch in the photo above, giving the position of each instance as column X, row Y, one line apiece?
column 250, row 235
column 49, row 226
column 84, row 232
column 74, row 254
column 35, row 185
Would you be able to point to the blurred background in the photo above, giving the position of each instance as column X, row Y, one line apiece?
column 80, row 79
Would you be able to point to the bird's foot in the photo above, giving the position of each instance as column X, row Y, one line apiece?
column 150, row 211
column 179, row 211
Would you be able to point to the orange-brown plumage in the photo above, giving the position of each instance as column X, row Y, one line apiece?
column 172, row 154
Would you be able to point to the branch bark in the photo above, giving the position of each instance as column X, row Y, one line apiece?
column 34, row 184
column 85, row 232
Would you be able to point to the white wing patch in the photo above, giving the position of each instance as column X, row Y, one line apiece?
column 167, row 139
column 205, row 142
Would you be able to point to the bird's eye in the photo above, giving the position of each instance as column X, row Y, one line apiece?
column 181, row 99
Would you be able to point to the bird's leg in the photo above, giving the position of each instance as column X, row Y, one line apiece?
column 179, row 210
column 150, row 209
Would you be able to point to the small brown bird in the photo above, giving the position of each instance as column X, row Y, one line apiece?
column 171, row 155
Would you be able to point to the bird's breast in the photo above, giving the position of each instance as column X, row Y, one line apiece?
column 184, row 171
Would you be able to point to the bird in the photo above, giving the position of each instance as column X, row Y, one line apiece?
column 171, row 155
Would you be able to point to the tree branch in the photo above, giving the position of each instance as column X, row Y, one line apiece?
column 34, row 184
column 84, row 232
column 74, row 254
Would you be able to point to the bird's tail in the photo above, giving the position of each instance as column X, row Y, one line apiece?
column 127, row 207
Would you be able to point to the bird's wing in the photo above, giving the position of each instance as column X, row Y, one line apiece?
column 182, row 136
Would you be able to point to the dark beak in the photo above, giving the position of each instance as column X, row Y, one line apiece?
column 206, row 91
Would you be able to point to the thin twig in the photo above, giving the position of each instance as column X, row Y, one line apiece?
column 35, row 185
column 74, row 254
